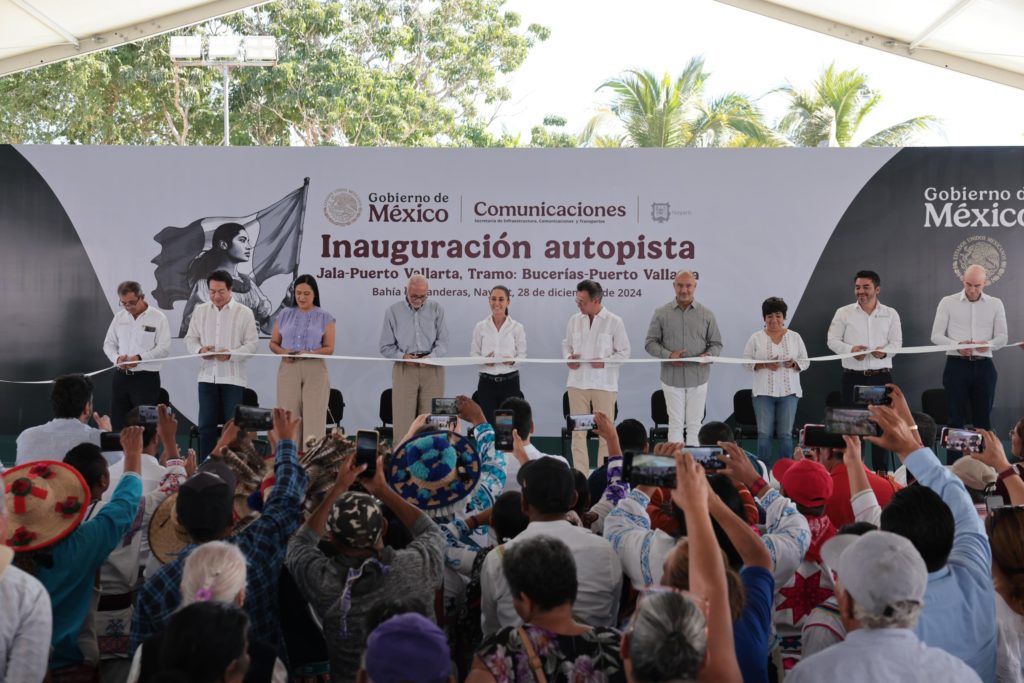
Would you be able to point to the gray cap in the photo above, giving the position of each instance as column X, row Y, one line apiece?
column 878, row 569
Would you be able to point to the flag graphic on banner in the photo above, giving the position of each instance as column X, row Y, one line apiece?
column 275, row 236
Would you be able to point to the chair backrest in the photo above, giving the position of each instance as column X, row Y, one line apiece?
column 163, row 397
column 384, row 412
column 743, row 407
column 565, row 404
column 933, row 404
column 335, row 407
column 659, row 411
column 250, row 398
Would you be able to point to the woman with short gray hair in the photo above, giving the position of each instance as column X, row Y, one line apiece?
column 551, row 646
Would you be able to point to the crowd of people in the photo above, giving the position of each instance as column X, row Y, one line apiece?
column 446, row 559
column 288, row 555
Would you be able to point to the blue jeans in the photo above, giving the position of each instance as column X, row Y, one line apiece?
column 774, row 415
column 216, row 406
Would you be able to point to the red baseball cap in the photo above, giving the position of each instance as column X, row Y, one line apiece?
column 805, row 481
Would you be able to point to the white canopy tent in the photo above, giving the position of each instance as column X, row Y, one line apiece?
column 38, row 32
column 981, row 38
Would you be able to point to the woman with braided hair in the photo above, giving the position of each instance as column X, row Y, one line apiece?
column 215, row 572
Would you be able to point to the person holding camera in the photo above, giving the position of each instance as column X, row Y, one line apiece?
column 779, row 357
column 303, row 384
column 221, row 327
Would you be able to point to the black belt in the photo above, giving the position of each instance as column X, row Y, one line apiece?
column 867, row 373
column 498, row 379
column 129, row 371
column 969, row 359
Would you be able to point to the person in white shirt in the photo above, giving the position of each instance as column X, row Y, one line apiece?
column 970, row 317
column 549, row 493
column 1005, row 527
column 226, row 328
column 524, row 451
column 27, row 622
column 776, row 369
column 593, row 337
column 498, row 336
column 867, row 327
column 881, row 587
column 138, row 337
column 71, row 401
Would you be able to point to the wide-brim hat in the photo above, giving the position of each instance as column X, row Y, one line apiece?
column 167, row 538
column 436, row 471
column 46, row 501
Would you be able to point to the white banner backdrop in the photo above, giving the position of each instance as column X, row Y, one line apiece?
column 752, row 223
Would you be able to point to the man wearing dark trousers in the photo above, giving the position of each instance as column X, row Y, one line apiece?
column 866, row 326
column 138, row 337
column 970, row 317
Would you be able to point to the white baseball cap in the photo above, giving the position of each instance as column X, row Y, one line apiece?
column 877, row 569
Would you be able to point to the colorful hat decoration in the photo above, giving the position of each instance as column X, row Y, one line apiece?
column 436, row 471
column 46, row 501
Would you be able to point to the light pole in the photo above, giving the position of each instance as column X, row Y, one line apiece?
column 224, row 52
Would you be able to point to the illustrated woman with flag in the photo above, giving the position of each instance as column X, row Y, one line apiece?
column 231, row 245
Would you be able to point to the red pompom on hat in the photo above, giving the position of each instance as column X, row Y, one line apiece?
column 46, row 501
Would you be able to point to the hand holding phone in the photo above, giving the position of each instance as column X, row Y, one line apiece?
column 850, row 421
column 964, row 440
column 581, row 423
column 366, row 451
column 864, row 395
column 503, row 427
column 443, row 406
column 254, row 419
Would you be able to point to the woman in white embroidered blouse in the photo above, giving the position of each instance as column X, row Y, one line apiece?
column 780, row 356
column 498, row 336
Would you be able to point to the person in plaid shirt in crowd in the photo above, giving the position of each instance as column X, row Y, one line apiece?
column 204, row 509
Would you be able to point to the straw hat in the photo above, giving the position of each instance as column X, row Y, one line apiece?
column 436, row 471
column 167, row 538
column 46, row 501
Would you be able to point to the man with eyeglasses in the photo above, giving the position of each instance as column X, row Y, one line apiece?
column 137, row 339
column 414, row 328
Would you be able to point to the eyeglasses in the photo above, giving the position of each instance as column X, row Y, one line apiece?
column 418, row 297
column 130, row 304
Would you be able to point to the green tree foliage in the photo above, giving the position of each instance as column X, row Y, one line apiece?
column 831, row 112
column 552, row 134
column 662, row 112
column 360, row 72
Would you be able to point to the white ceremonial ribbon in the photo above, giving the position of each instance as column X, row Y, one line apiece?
column 458, row 361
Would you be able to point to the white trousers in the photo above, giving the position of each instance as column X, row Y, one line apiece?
column 685, row 408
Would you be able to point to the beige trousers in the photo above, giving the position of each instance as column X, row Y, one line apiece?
column 585, row 402
column 303, row 387
column 412, row 388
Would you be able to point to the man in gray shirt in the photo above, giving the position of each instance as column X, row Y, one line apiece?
column 414, row 328
column 684, row 328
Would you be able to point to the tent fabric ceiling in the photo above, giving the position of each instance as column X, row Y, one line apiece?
column 38, row 32
column 977, row 37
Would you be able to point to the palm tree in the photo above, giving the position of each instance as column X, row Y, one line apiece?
column 660, row 112
column 831, row 112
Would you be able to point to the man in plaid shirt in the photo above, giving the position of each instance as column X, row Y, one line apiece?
column 206, row 515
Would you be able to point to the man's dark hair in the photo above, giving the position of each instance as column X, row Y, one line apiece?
column 542, row 568
column 592, row 288
column 725, row 490
column 220, row 276
column 201, row 641
column 522, row 415
column 132, row 419
column 129, row 287
column 508, row 518
column 773, row 304
column 70, row 395
column 384, row 610
column 88, row 459
column 868, row 275
column 926, row 428
column 920, row 515
column 713, row 432
column 582, row 493
column 632, row 436
column 857, row 528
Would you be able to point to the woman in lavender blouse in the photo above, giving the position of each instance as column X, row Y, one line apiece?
column 303, row 384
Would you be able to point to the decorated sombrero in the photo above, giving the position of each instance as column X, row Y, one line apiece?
column 46, row 501
column 435, row 471
column 167, row 538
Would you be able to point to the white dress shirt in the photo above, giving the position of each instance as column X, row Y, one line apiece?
column 26, row 624
column 512, row 465
column 508, row 342
column 958, row 319
column 851, row 327
column 152, row 474
column 53, row 440
column 604, row 338
column 598, row 573
column 882, row 655
column 148, row 336
column 232, row 327
column 783, row 381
